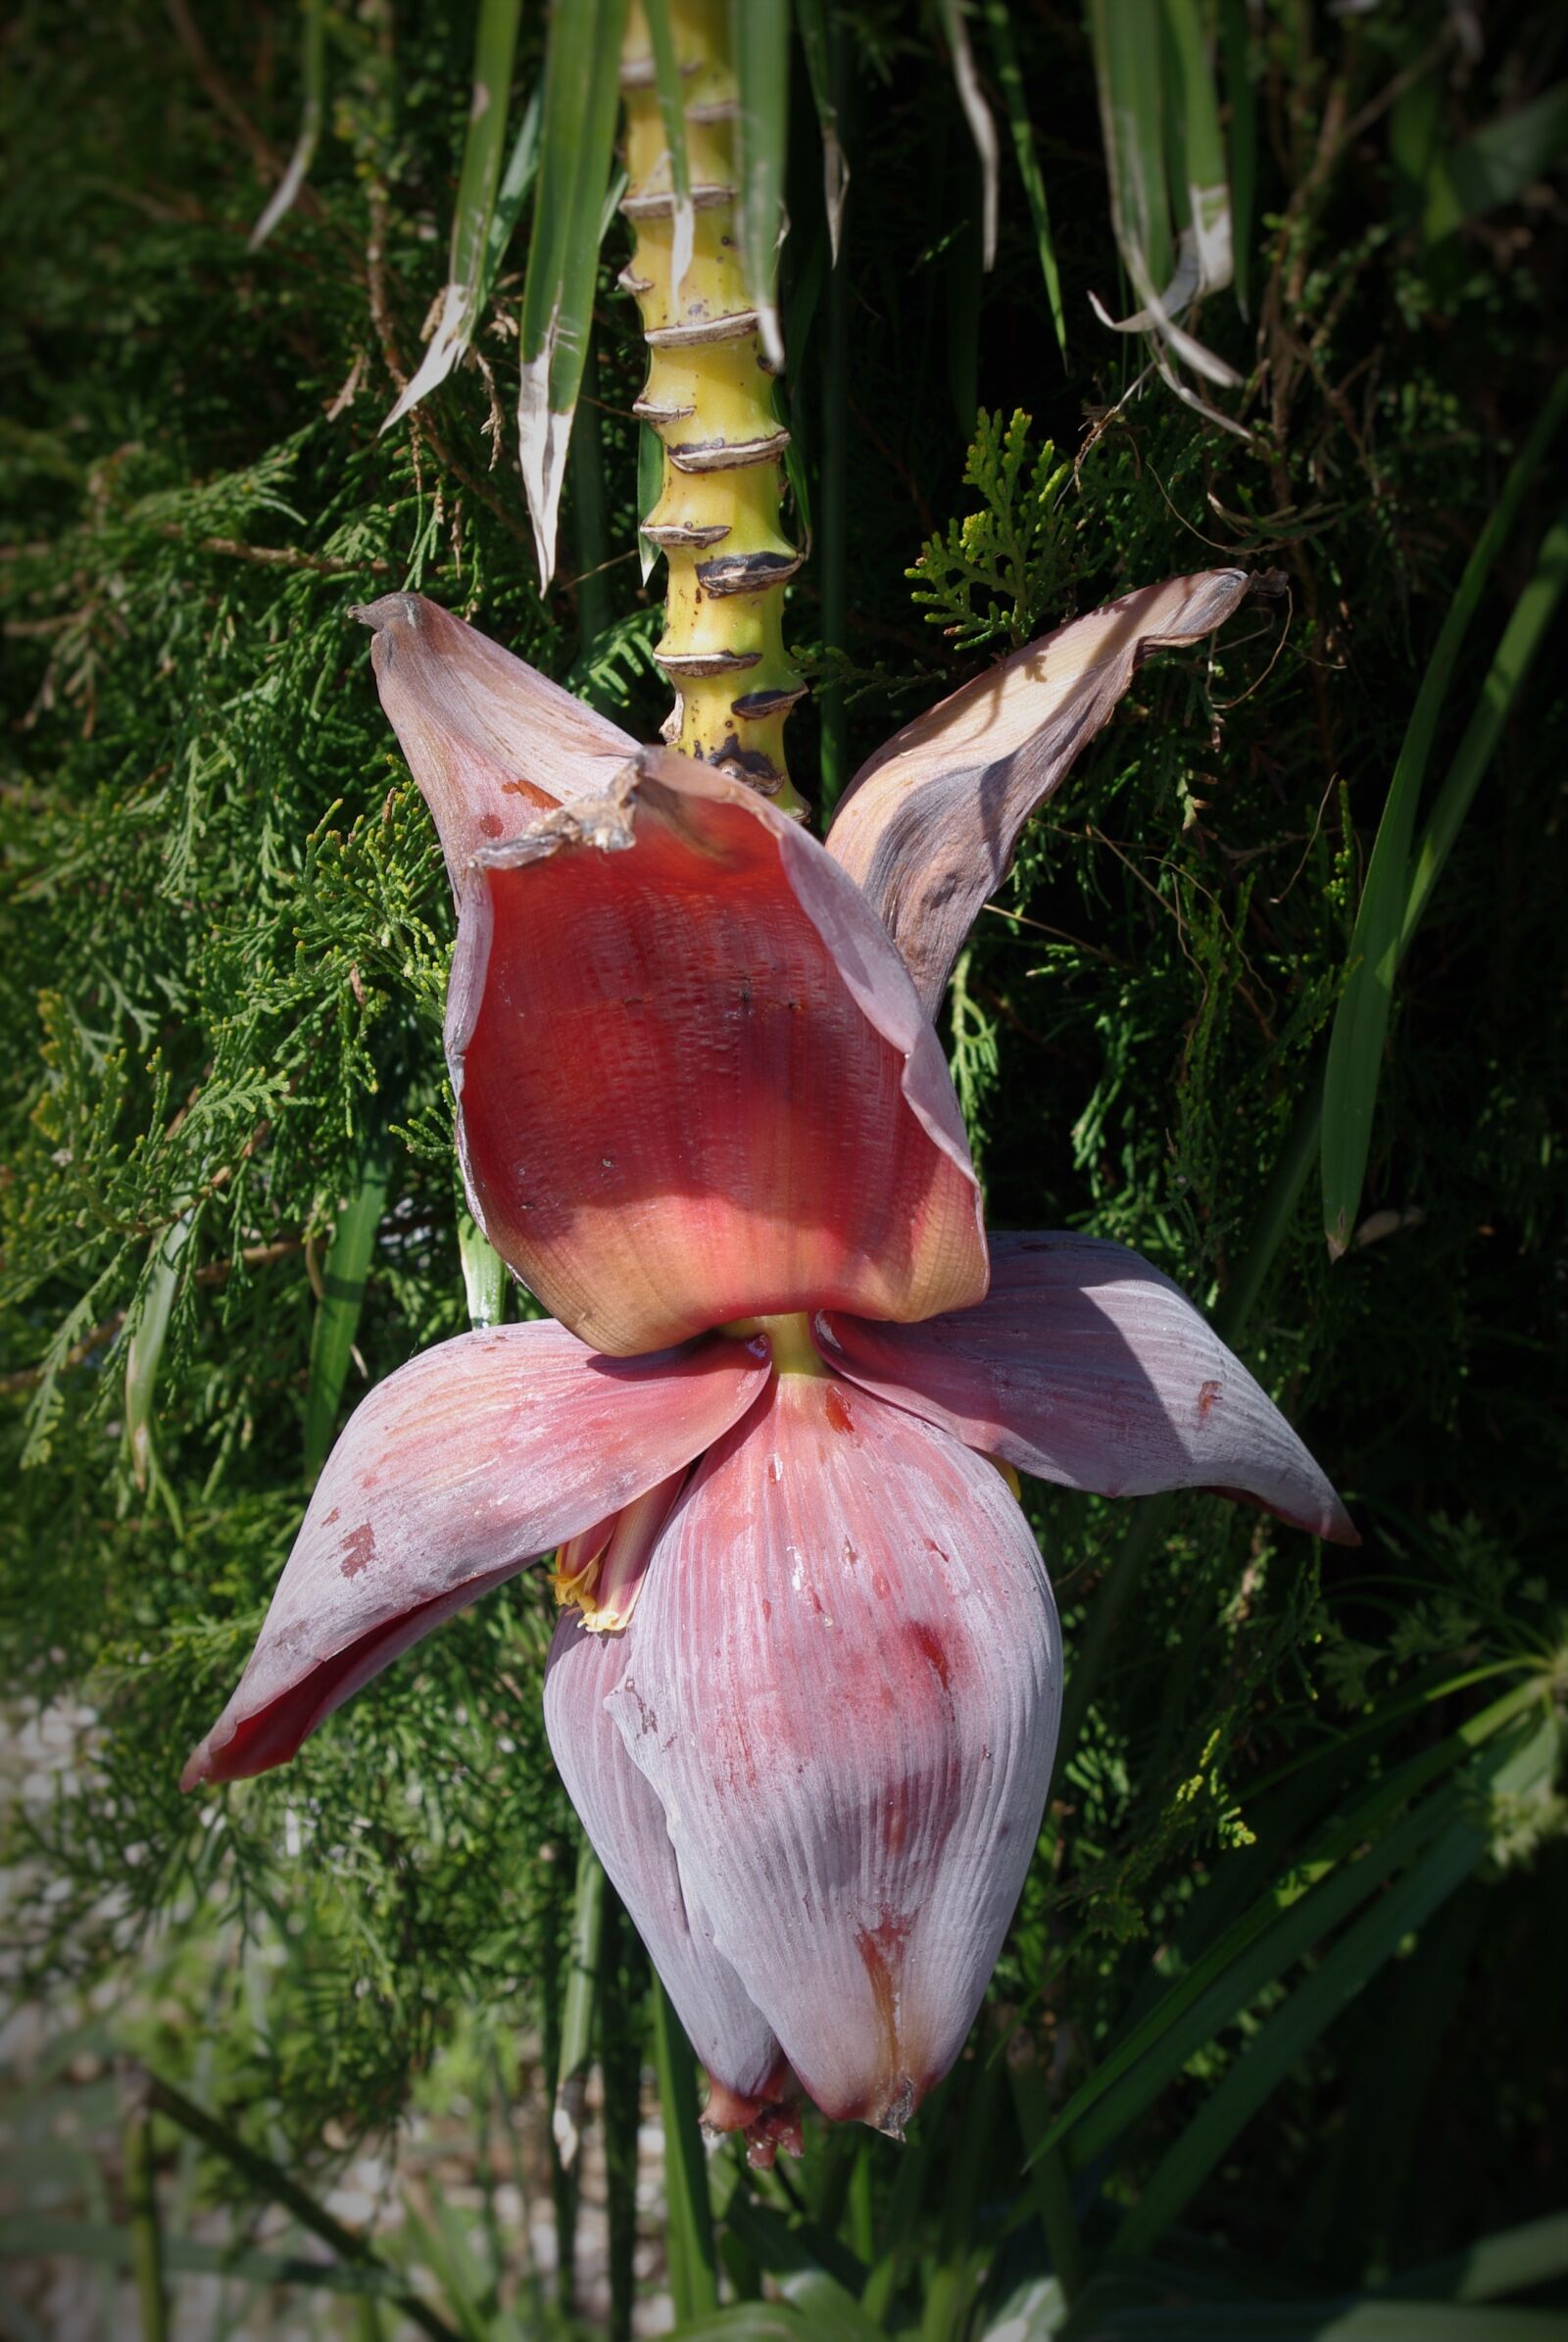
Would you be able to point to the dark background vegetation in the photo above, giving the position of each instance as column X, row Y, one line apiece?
column 225, row 940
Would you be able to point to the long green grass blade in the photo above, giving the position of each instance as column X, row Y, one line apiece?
column 693, row 2258
column 266, row 2181
column 1128, row 50
column 1191, row 94
column 815, row 2274
column 672, row 113
column 1103, row 2316
column 337, row 1316
column 650, row 485
column 793, row 2249
column 1361, row 1019
column 1497, row 164
column 145, row 1346
column 576, row 153
column 1046, row 2167
column 522, row 169
column 1236, row 55
column 30, row 2236
column 818, row 42
column 1256, row 1961
column 146, row 2230
column 748, row 2322
column 1522, row 638
column 759, row 44
column 577, row 2009
column 478, row 186
column 998, row 19
column 312, row 74
column 1292, row 1915
column 1511, row 2262
column 1508, row 1770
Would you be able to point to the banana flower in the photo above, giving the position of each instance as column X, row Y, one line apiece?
column 806, row 1685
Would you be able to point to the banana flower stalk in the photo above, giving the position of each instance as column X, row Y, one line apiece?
column 806, row 1685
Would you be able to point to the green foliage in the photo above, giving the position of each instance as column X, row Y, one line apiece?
column 1016, row 550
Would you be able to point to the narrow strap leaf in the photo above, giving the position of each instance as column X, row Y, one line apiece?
column 1292, row 1914
column 672, row 113
column 478, row 186
column 1497, row 164
column 522, row 168
column 337, row 1316
column 760, row 31
column 1127, row 62
column 810, row 19
column 581, row 71
column 1361, row 1020
column 1195, row 107
column 1508, row 1770
column 1240, row 100
column 1522, row 638
column 146, row 1344
column 1000, row 20
column 692, row 2259
column 577, row 2008
column 314, row 75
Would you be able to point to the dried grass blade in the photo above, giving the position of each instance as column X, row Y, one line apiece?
column 977, row 113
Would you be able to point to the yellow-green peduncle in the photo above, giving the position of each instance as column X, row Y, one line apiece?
column 710, row 397
column 789, row 1339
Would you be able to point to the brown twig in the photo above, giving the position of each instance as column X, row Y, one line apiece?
column 261, row 152
column 213, row 1272
column 274, row 557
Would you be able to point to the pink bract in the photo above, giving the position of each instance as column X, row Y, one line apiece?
column 704, row 1115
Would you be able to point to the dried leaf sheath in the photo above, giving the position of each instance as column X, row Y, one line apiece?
column 710, row 397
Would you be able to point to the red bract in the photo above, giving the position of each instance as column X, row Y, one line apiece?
column 805, row 1694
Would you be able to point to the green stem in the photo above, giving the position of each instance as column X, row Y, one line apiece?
column 693, row 2261
column 1276, row 1211
column 146, row 2235
column 620, row 2065
column 562, row 2181
column 269, row 2181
